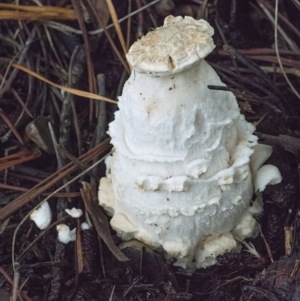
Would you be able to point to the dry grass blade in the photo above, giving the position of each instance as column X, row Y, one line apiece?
column 282, row 18
column 27, row 12
column 116, row 50
column 11, row 126
column 67, row 89
column 292, row 45
column 100, row 221
column 111, row 298
column 117, row 24
column 296, row 3
column 22, row 104
column 277, row 52
column 23, row 156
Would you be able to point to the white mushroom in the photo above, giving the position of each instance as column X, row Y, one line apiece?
column 261, row 154
column 179, row 179
column 85, row 226
column 65, row 235
column 74, row 212
column 42, row 216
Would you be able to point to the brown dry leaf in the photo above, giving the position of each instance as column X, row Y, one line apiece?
column 100, row 220
column 38, row 132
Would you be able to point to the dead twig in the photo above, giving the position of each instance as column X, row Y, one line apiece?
column 286, row 142
column 267, row 294
column 266, row 243
column 100, row 220
column 16, row 281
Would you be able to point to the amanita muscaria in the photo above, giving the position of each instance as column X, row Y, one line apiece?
column 180, row 178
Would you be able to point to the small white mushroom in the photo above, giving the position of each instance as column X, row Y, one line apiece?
column 42, row 216
column 267, row 175
column 179, row 179
column 85, row 226
column 65, row 235
column 74, row 212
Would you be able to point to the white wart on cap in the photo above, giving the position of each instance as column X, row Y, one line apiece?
column 174, row 47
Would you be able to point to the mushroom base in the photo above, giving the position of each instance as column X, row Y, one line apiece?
column 194, row 226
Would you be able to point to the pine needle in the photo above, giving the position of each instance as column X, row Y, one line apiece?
column 277, row 52
column 117, row 25
column 64, row 88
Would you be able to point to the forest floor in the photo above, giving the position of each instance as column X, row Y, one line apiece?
column 53, row 142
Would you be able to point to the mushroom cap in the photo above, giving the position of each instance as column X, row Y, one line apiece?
column 74, row 212
column 175, row 46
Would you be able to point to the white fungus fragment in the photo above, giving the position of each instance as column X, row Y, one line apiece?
column 85, row 226
column 245, row 228
column 267, row 175
column 42, row 216
column 213, row 246
column 65, row 235
column 74, row 212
